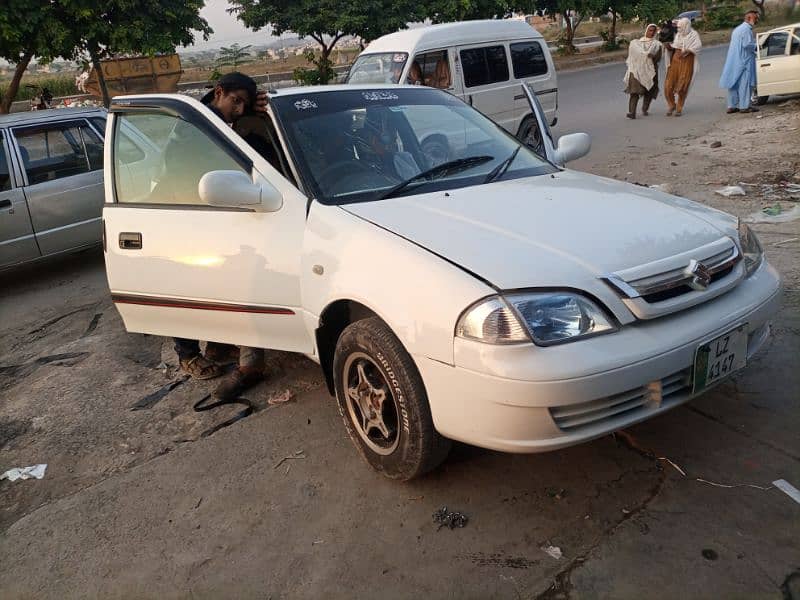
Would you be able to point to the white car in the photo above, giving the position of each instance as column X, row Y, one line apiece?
column 778, row 63
column 496, row 299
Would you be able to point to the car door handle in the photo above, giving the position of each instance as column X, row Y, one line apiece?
column 470, row 99
column 130, row 240
column 5, row 203
column 766, row 65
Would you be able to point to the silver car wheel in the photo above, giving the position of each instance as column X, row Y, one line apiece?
column 370, row 404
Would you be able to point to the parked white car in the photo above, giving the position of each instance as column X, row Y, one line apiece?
column 778, row 63
column 496, row 299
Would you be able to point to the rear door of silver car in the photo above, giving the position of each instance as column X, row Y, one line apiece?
column 62, row 165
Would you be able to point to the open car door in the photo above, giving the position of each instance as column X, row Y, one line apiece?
column 537, row 135
column 202, row 234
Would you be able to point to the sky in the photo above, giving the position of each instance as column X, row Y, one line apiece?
column 227, row 28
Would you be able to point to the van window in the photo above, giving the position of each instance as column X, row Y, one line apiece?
column 385, row 67
column 483, row 66
column 435, row 67
column 528, row 59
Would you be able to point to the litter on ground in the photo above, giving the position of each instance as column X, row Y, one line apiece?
column 553, row 551
column 32, row 472
column 731, row 190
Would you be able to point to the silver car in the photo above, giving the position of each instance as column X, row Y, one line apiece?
column 51, row 183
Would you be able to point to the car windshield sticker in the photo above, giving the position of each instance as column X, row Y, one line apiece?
column 305, row 104
column 373, row 96
column 398, row 58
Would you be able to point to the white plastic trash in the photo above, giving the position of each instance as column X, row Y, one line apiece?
column 33, row 472
column 731, row 190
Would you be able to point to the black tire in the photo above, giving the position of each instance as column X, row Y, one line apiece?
column 398, row 439
column 761, row 100
column 530, row 135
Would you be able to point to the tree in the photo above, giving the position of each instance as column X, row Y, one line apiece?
column 762, row 10
column 444, row 11
column 326, row 21
column 101, row 28
column 581, row 10
column 30, row 28
column 234, row 56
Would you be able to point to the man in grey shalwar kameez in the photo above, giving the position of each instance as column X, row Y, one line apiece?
column 739, row 72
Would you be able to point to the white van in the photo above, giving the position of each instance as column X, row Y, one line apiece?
column 482, row 62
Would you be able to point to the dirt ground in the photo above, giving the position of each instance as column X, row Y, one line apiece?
column 163, row 501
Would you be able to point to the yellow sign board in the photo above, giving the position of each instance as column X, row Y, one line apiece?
column 137, row 75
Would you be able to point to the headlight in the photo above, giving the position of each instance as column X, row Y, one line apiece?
column 545, row 317
column 751, row 248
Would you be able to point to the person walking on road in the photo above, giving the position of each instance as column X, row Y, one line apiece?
column 641, row 78
column 682, row 66
column 739, row 72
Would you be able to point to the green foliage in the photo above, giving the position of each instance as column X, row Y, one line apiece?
column 58, row 86
column 234, row 56
column 722, row 17
column 321, row 74
column 610, row 44
column 655, row 11
column 443, row 11
column 215, row 74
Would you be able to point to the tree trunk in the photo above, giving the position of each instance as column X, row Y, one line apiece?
column 101, row 79
column 13, row 87
column 762, row 12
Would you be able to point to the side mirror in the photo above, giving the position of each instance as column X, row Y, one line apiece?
column 234, row 188
column 572, row 146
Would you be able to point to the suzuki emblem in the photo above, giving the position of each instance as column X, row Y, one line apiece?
column 701, row 276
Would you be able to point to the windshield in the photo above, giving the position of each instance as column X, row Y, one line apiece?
column 378, row 68
column 363, row 145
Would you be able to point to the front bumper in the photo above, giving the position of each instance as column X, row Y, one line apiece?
column 529, row 399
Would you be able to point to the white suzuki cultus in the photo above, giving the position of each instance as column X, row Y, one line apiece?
column 485, row 294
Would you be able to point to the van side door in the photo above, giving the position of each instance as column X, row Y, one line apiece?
column 530, row 65
column 17, row 242
column 487, row 82
column 62, row 164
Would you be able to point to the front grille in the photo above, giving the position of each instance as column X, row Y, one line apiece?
column 613, row 411
column 683, row 289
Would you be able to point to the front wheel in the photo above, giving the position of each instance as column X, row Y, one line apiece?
column 383, row 402
column 761, row 100
column 530, row 135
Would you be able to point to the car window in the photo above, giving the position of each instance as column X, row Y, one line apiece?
column 384, row 67
column 794, row 47
column 527, row 59
column 5, row 173
column 59, row 150
column 483, row 66
column 775, row 44
column 355, row 146
column 435, row 69
column 170, row 174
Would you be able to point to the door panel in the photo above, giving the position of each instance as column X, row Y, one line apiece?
column 775, row 69
column 487, row 82
column 63, row 166
column 17, row 242
column 199, row 271
column 530, row 65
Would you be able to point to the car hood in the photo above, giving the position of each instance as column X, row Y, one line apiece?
column 552, row 230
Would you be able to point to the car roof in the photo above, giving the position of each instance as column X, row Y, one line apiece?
column 781, row 28
column 43, row 116
column 453, row 34
column 346, row 87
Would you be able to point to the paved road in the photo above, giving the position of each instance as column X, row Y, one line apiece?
column 592, row 100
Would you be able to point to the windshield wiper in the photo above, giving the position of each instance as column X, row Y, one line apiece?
column 502, row 167
column 452, row 166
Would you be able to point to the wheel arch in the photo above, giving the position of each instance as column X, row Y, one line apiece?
column 333, row 320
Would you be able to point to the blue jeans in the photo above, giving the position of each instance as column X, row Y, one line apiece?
column 739, row 96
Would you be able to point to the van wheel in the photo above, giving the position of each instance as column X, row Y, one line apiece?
column 530, row 135
column 383, row 402
column 436, row 150
column 761, row 100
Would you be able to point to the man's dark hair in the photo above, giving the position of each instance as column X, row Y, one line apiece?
column 231, row 82
column 751, row 12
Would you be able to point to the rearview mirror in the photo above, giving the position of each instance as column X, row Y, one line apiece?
column 572, row 146
column 234, row 189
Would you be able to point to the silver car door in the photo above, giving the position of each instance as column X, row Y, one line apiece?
column 63, row 166
column 17, row 242
column 537, row 134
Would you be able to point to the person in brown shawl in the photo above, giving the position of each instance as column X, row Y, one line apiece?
column 641, row 78
column 682, row 66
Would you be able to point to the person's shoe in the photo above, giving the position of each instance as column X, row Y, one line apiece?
column 222, row 354
column 730, row 111
column 234, row 383
column 678, row 113
column 631, row 116
column 750, row 109
column 645, row 113
column 199, row 367
column 670, row 111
